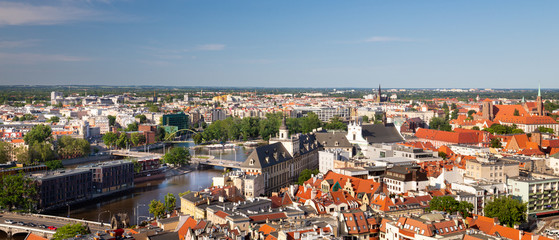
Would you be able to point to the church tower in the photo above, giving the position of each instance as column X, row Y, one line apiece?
column 283, row 131
column 539, row 103
column 379, row 95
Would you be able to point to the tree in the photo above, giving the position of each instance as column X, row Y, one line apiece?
column 306, row 174
column 198, row 138
column 69, row 147
column 38, row 134
column 17, row 192
column 137, row 166
column 516, row 112
column 53, row 119
column 177, row 156
column 184, row 193
column 69, row 231
column 40, row 152
column 475, row 128
column 142, row 118
column 132, row 127
column 110, row 139
column 454, row 114
column 153, row 108
column 508, row 210
column 135, row 138
column 365, row 119
column 450, row 205
column 496, row 143
column 122, row 140
column 54, row 164
column 543, row 129
column 5, row 149
column 440, row 124
column 170, row 202
column 157, row 208
column 112, row 120
column 442, row 155
column 336, row 123
column 470, row 114
column 311, row 122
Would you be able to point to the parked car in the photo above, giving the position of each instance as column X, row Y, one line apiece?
column 21, row 223
column 31, row 225
column 43, row 226
column 8, row 221
column 52, row 228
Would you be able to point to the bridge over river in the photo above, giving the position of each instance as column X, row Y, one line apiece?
column 208, row 160
column 32, row 223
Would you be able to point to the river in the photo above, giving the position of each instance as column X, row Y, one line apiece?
column 143, row 193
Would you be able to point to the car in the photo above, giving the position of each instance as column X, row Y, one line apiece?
column 43, row 226
column 31, row 225
column 21, row 223
column 52, row 228
column 8, row 221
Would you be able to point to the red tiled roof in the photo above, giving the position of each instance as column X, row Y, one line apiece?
column 449, row 137
column 221, row 214
column 271, row 216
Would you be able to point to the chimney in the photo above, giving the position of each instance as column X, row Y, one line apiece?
column 313, row 193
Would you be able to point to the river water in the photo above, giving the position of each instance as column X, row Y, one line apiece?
column 143, row 193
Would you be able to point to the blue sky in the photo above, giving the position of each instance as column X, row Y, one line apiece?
column 356, row 44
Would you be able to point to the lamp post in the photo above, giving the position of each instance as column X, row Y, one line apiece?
column 99, row 215
column 68, row 210
column 137, row 213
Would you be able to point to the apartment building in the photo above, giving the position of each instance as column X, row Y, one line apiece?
column 61, row 187
column 542, row 195
column 493, row 170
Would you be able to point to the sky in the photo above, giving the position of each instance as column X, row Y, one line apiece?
column 265, row 43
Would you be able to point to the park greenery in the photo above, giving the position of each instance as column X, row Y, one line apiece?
column 54, row 164
column 69, row 231
column 233, row 128
column 69, row 147
column 177, row 156
column 451, row 206
column 306, row 174
column 439, row 123
column 17, row 193
column 42, row 147
column 508, row 210
column 123, row 140
column 503, row 129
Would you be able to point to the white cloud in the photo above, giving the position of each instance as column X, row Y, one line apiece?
column 389, row 39
column 31, row 58
column 16, row 13
column 210, row 47
column 21, row 43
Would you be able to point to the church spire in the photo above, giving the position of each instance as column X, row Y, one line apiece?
column 539, row 90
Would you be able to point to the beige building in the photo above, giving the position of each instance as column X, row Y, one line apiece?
column 250, row 186
column 283, row 159
column 491, row 170
column 195, row 204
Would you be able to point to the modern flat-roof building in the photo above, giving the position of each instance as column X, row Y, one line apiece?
column 179, row 120
column 111, row 176
column 542, row 195
column 61, row 187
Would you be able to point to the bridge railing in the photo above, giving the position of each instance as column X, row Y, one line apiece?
column 69, row 220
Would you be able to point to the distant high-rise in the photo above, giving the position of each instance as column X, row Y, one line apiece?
column 55, row 96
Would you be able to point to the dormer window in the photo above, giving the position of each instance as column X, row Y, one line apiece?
column 251, row 162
